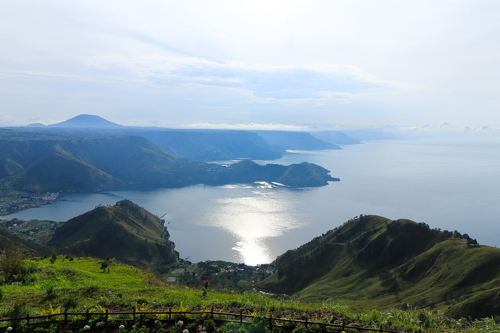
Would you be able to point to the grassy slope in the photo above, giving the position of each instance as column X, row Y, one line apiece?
column 365, row 265
column 10, row 241
column 122, row 288
column 126, row 287
column 125, row 231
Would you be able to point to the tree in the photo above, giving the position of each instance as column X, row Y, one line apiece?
column 105, row 264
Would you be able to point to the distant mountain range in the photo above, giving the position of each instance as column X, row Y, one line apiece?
column 379, row 263
column 202, row 145
column 41, row 163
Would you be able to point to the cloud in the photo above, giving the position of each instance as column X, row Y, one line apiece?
column 250, row 126
column 315, row 62
column 318, row 84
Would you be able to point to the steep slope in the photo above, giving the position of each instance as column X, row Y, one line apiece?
column 375, row 262
column 86, row 121
column 295, row 140
column 10, row 241
column 335, row 137
column 125, row 231
column 58, row 170
column 213, row 145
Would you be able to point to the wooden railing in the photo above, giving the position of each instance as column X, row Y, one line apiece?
column 168, row 316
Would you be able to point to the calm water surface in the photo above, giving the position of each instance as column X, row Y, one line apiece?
column 448, row 184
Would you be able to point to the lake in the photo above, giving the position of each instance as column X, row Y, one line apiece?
column 448, row 183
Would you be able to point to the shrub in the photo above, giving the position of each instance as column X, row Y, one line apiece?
column 193, row 327
column 92, row 289
column 12, row 264
column 50, row 291
column 210, row 325
column 17, row 311
column 70, row 304
column 21, row 329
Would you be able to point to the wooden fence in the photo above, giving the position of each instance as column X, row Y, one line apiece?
column 169, row 316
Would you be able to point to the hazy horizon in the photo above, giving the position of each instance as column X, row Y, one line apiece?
column 253, row 65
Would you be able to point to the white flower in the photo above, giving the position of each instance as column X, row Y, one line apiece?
column 86, row 327
column 185, row 331
column 121, row 326
column 9, row 329
column 110, row 319
column 180, row 323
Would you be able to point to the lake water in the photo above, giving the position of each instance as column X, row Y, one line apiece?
column 449, row 184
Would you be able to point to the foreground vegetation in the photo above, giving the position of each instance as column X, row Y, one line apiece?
column 53, row 284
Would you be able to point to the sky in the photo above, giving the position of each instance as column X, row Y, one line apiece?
column 252, row 64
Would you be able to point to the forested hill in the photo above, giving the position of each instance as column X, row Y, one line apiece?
column 54, row 163
column 376, row 262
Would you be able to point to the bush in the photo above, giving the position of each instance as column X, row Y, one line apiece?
column 70, row 304
column 92, row 289
column 50, row 291
column 17, row 311
column 12, row 264
column 210, row 325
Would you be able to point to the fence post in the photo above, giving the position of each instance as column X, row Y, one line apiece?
column 65, row 315
column 88, row 317
column 133, row 314
column 212, row 313
column 241, row 316
column 306, row 322
column 271, row 322
column 28, row 319
column 106, row 315
column 169, row 313
column 343, row 325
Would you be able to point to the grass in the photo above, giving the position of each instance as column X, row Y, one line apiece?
column 83, row 285
column 376, row 263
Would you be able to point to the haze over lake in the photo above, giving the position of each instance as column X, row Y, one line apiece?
column 447, row 183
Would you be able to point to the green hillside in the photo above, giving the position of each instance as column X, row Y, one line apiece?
column 126, row 232
column 379, row 263
column 9, row 241
column 78, row 284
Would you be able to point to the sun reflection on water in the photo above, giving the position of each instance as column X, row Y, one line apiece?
column 254, row 219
